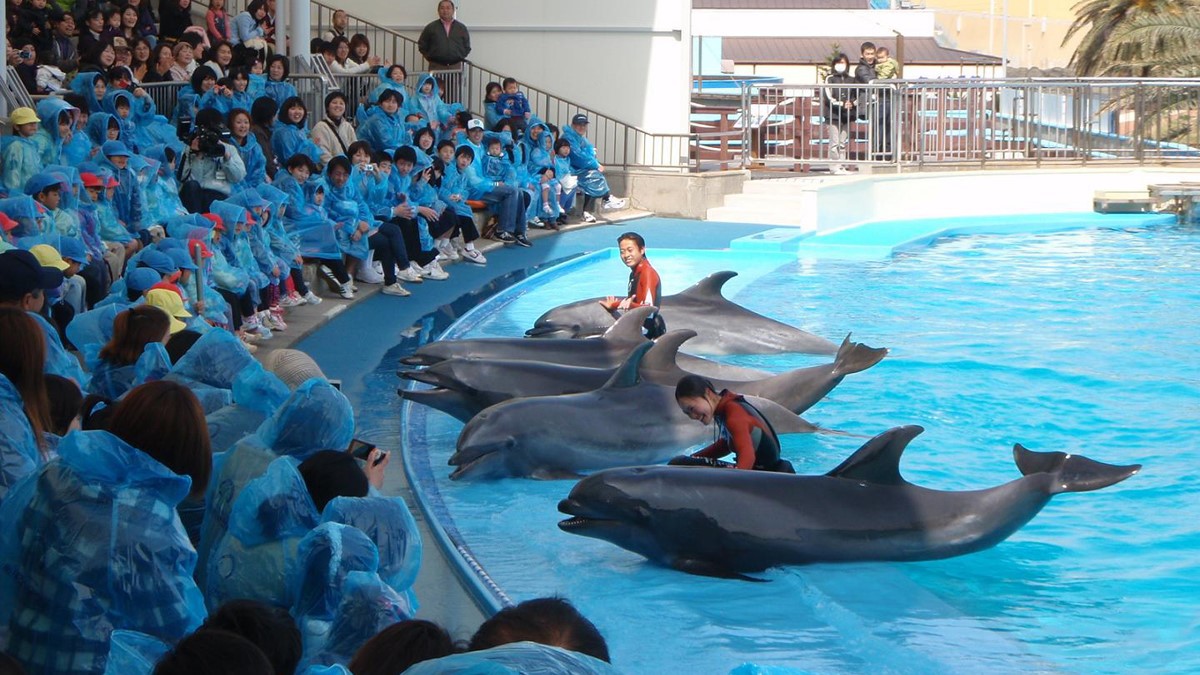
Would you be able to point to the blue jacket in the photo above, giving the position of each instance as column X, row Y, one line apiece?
column 279, row 91
column 516, row 104
column 254, row 160
column 347, row 207
column 431, row 106
column 384, row 131
column 289, row 139
column 19, row 454
column 48, row 138
column 386, row 83
column 306, row 223
column 583, row 153
column 104, row 513
column 22, row 160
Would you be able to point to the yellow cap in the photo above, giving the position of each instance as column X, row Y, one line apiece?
column 169, row 302
column 23, row 116
column 48, row 256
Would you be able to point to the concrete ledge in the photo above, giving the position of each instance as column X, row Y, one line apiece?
column 678, row 195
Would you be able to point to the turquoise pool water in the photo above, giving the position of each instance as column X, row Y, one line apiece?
column 1082, row 342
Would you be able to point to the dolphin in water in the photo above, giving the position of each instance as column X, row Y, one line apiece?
column 466, row 386
column 726, row 522
column 628, row 421
column 722, row 327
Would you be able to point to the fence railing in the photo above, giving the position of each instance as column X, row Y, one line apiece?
column 929, row 123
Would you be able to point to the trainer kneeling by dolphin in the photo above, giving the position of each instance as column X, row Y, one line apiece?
column 741, row 428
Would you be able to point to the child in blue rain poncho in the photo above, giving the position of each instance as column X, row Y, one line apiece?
column 348, row 208
column 139, row 334
column 290, row 134
column 229, row 94
column 22, row 158
column 392, row 77
column 272, row 266
column 127, row 198
column 162, row 191
column 93, row 87
column 101, row 128
column 241, row 137
column 315, row 417
column 94, row 542
column 235, row 245
column 79, row 148
column 309, row 225
column 58, row 124
column 384, row 127
column 427, row 102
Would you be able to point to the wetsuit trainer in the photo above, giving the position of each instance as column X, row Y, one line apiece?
column 741, row 428
column 645, row 286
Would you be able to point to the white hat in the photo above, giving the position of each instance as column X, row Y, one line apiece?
column 475, row 124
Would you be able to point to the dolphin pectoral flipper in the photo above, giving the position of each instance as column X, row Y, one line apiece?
column 855, row 357
column 704, row 568
column 1073, row 473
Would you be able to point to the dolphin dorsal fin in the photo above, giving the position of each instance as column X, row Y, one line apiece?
column 628, row 327
column 878, row 460
column 661, row 357
column 626, row 375
column 708, row 287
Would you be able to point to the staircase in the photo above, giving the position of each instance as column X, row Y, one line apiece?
column 786, row 202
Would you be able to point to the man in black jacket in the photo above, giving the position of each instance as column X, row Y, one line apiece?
column 877, row 106
column 445, row 43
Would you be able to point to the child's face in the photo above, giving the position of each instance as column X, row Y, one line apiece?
column 319, row 197
column 207, row 84
column 446, row 153
column 547, row 176
column 564, row 151
column 338, row 177
column 28, row 130
column 494, row 150
column 114, row 133
column 510, row 88
column 100, row 88
column 240, row 126
column 361, row 157
column 119, row 161
column 389, row 105
column 427, row 88
column 109, row 192
column 300, row 173
column 403, row 166
column 463, row 161
column 51, row 198
column 385, row 168
column 123, row 111
column 93, row 193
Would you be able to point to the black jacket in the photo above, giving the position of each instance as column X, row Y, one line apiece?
column 835, row 98
column 438, row 47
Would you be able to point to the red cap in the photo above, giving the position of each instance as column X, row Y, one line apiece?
column 250, row 219
column 8, row 224
column 168, row 286
column 195, row 245
column 90, row 179
column 112, row 182
column 217, row 221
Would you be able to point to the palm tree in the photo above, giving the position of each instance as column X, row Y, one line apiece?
column 1099, row 21
column 1162, row 44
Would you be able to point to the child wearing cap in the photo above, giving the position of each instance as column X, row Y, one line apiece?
column 21, row 157
column 127, row 195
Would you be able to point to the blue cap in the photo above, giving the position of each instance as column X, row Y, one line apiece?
column 72, row 248
column 250, row 199
column 159, row 262
column 21, row 273
column 38, row 182
column 579, row 118
column 181, row 258
column 115, row 149
column 141, row 279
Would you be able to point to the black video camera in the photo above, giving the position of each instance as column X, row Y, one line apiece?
column 210, row 140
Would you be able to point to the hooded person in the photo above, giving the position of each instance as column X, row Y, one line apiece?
column 348, row 208
column 98, row 126
column 162, row 192
column 384, row 127
column 93, row 87
column 96, row 326
column 58, row 126
column 314, row 417
column 128, row 198
column 290, row 134
column 22, row 156
column 392, row 77
column 277, row 87
column 427, row 102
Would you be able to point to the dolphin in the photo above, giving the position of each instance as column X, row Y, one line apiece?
column 607, row 351
column 722, row 327
column 466, row 386
column 725, row 522
column 628, row 421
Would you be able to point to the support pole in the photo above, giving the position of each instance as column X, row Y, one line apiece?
column 300, row 27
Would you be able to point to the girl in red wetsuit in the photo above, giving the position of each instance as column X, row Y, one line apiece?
column 645, row 286
column 741, row 428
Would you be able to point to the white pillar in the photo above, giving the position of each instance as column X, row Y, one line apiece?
column 300, row 26
column 282, row 12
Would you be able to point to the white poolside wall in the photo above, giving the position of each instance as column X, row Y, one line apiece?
column 978, row 193
column 627, row 59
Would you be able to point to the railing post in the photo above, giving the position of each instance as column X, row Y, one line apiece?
column 1139, row 135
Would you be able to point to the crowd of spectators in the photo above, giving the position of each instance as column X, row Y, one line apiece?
column 163, row 496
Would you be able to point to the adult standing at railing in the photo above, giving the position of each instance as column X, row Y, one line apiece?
column 446, row 42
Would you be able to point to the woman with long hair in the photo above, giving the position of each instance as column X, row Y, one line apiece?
column 24, row 403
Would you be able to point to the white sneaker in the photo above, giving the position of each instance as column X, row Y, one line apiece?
column 311, row 298
column 347, row 291
column 273, row 321
column 292, row 299
column 446, row 248
column 434, row 271
column 534, row 222
column 397, row 290
column 254, row 326
column 588, row 218
column 369, row 275
column 614, row 203
column 474, row 255
column 412, row 273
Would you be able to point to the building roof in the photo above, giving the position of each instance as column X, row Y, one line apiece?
column 817, row 50
column 781, row 4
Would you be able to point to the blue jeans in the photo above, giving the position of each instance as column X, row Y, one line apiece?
column 506, row 201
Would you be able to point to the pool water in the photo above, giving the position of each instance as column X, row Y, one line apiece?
column 1082, row 342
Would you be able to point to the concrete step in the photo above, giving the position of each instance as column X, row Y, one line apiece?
column 764, row 216
column 783, row 185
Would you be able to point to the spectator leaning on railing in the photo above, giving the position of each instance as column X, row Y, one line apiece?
column 445, row 43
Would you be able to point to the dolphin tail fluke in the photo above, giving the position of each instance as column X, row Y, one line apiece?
column 855, row 357
column 1072, row 473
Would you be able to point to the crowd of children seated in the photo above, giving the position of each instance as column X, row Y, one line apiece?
column 164, row 498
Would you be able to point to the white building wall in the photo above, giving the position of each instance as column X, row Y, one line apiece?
column 627, row 59
column 811, row 23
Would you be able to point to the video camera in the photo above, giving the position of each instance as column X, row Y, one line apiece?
column 210, row 140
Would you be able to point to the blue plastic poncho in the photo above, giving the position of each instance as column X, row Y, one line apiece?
column 113, row 381
column 368, row 605
column 19, row 455
column 386, row 83
column 84, row 84
column 347, row 207
column 162, row 193
column 48, row 138
column 97, row 129
column 134, row 653
column 518, row 658
column 585, row 165
column 268, row 520
column 307, row 223
column 430, row 105
column 279, row 240
column 257, row 393
column 385, row 131
column 254, row 159
column 94, row 544
column 326, row 556
column 216, row 360
column 280, row 91
column 58, row 360
column 128, row 127
column 22, row 158
column 314, row 417
column 290, row 139
column 388, row 523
